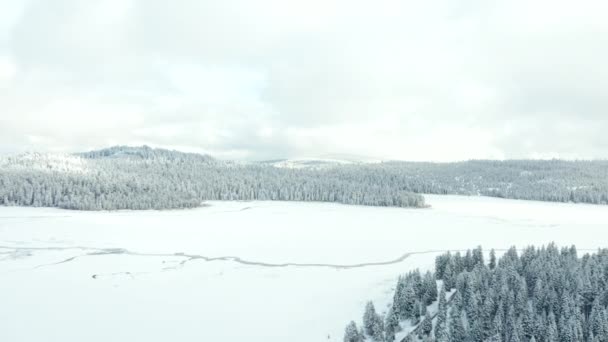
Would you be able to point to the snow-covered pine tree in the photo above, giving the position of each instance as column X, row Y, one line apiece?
column 426, row 326
column 518, row 299
column 441, row 323
column 351, row 334
column 369, row 318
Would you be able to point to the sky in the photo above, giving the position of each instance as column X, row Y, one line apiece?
column 437, row 80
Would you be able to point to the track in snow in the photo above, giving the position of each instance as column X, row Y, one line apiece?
column 93, row 251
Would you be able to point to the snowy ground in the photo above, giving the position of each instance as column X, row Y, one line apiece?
column 234, row 271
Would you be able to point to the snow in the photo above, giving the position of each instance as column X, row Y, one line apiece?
column 326, row 161
column 46, row 162
column 313, row 163
column 233, row 271
column 407, row 327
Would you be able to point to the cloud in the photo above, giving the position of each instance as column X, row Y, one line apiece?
column 433, row 80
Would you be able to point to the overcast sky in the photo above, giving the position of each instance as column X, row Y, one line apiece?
column 414, row 80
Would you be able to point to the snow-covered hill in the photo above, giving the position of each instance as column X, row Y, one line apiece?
column 146, row 153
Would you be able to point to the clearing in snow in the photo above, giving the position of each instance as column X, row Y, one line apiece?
column 234, row 271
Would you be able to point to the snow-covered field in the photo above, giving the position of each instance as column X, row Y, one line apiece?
column 236, row 271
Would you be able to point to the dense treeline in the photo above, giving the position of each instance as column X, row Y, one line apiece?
column 544, row 180
column 145, row 178
column 542, row 294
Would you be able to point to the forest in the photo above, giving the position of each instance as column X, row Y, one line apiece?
column 542, row 294
column 145, row 178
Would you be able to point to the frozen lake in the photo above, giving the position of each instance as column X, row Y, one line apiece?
column 234, row 271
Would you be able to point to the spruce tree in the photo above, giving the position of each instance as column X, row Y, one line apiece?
column 551, row 332
column 392, row 321
column 456, row 327
column 369, row 318
column 378, row 329
column 389, row 335
column 449, row 276
column 430, row 288
column 398, row 296
column 351, row 334
column 408, row 303
column 391, row 325
column 477, row 258
column 441, row 329
column 426, row 327
column 492, row 264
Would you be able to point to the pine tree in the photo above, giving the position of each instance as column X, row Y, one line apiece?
column 378, row 329
column 391, row 325
column 392, row 320
column 475, row 331
column 527, row 322
column 457, row 330
column 517, row 334
column 477, row 258
column 351, row 334
column 369, row 319
column 449, row 276
column 441, row 262
column 441, row 329
column 397, row 297
column 430, row 288
column 426, row 327
column 468, row 261
column 408, row 303
column 389, row 335
column 499, row 323
column 492, row 259
column 551, row 333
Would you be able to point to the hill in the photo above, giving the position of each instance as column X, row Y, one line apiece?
column 144, row 178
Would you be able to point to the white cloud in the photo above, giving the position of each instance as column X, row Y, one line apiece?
column 8, row 70
column 432, row 80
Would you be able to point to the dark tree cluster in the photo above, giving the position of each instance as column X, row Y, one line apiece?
column 541, row 180
column 542, row 294
column 145, row 178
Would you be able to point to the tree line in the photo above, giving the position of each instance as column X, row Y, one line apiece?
column 145, row 178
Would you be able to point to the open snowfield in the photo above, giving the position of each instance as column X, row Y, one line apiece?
column 236, row 271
